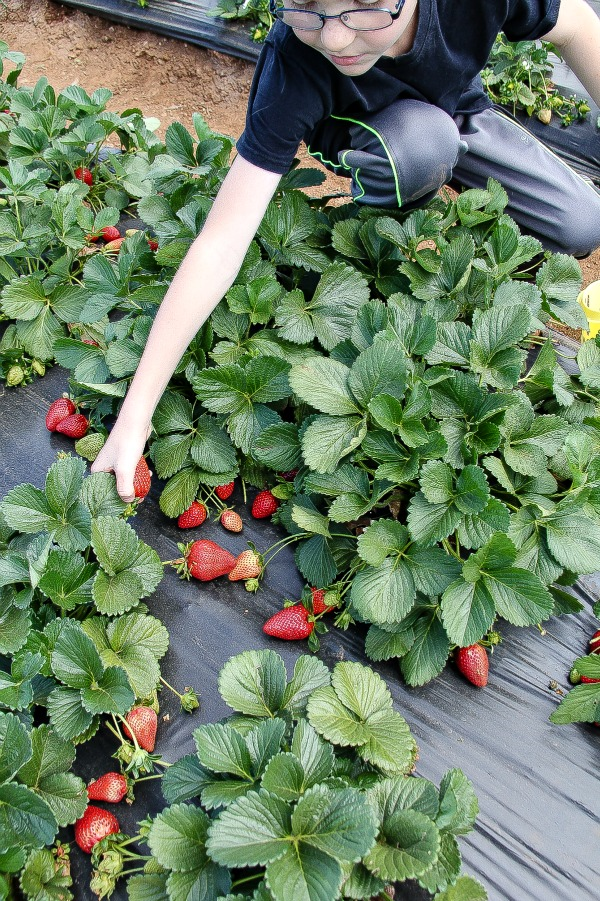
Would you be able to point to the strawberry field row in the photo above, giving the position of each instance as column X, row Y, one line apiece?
column 432, row 463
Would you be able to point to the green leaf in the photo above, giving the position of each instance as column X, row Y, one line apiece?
column 458, row 804
column 316, row 562
column 15, row 746
column 131, row 569
column 329, row 438
column 184, row 780
column 430, row 523
column 223, row 750
column 67, row 579
column 306, row 872
column 307, row 517
column 383, row 645
column 254, row 683
column 464, row 889
column 67, row 714
column 147, row 887
column 428, row 652
column 383, row 538
column 75, row 660
column 51, row 754
column 284, row 777
column 380, row 369
column 581, row 705
column 446, row 869
column 573, row 540
column 385, row 593
column 332, row 719
column 323, row 383
column 278, row 447
column 309, row 674
column 111, row 694
column 66, row 796
column 468, row 611
column 340, row 823
column 252, row 831
column 26, row 821
column 408, row 847
column 177, row 837
column 43, row 879
column 340, row 293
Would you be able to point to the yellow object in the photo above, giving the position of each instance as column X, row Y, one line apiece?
column 589, row 300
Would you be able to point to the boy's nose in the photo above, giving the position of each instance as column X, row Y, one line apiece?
column 335, row 36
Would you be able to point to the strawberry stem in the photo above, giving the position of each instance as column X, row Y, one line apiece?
column 170, row 687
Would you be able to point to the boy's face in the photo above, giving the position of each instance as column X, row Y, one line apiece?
column 355, row 52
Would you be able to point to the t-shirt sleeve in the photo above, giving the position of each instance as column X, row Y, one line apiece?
column 283, row 106
column 529, row 20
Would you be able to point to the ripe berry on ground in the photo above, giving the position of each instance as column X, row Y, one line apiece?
column 194, row 516
column 264, row 504
column 231, row 521
column 142, row 479
column 291, row 623
column 205, row 560
column 473, row 663
column 73, row 426
column 58, row 410
column 111, row 787
column 142, row 722
column 225, row 491
column 110, row 233
column 93, row 826
column 84, row 175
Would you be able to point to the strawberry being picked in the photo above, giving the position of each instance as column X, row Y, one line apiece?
column 142, row 722
column 142, row 479
column 111, row 787
column 264, row 504
column 290, row 623
column 73, row 426
column 473, row 663
column 93, row 826
column 58, row 410
column 194, row 516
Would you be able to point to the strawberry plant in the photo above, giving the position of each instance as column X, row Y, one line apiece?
column 582, row 703
column 308, row 783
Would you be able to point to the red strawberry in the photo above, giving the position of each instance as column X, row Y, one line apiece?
column 318, row 602
column 194, row 516
column 93, row 826
column 206, row 560
column 84, row 175
column 265, row 504
column 473, row 663
column 110, row 233
column 247, row 566
column 152, row 243
column 58, row 410
column 291, row 623
column 589, row 680
column 231, row 521
column 73, row 426
column 142, row 478
column 110, row 787
column 92, row 238
column 142, row 721
column 595, row 643
column 225, row 491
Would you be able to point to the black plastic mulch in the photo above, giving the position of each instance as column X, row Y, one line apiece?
column 536, row 837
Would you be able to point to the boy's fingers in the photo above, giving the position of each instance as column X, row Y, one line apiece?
column 125, row 487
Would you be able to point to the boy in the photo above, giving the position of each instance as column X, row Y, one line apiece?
column 390, row 95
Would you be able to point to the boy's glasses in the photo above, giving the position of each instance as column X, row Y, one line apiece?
column 355, row 19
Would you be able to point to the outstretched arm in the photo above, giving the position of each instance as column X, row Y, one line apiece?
column 204, row 276
column 577, row 36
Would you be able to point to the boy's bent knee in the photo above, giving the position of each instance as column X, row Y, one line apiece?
column 402, row 154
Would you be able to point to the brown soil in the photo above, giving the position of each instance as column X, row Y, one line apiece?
column 163, row 77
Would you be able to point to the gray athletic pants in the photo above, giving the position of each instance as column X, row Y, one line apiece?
column 401, row 157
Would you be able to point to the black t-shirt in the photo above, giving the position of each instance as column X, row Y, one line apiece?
column 295, row 87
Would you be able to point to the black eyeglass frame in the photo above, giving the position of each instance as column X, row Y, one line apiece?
column 276, row 10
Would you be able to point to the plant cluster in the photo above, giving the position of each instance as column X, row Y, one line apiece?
column 518, row 76
column 305, row 790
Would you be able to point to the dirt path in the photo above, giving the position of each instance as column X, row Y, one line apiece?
column 163, row 77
